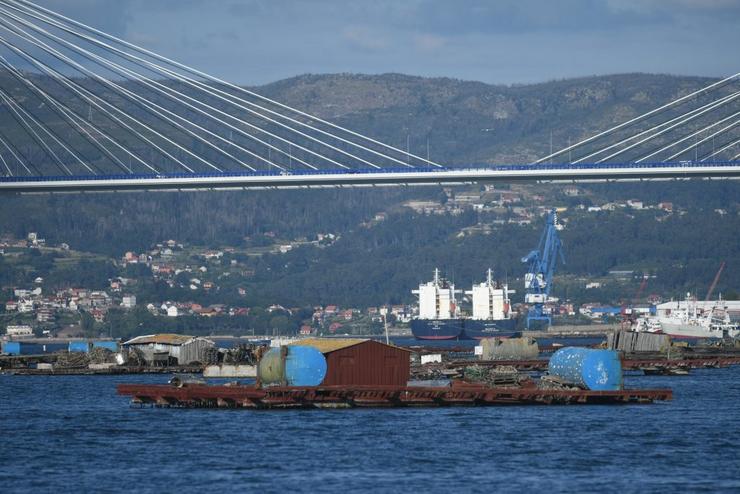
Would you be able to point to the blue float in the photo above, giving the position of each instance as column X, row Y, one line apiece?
column 597, row 370
column 292, row 366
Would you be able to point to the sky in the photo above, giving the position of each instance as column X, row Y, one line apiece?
column 503, row 42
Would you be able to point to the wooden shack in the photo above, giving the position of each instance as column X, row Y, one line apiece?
column 355, row 361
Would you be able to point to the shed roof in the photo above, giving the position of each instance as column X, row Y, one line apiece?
column 328, row 345
column 164, row 338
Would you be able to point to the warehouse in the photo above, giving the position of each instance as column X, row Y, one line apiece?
column 357, row 361
column 170, row 349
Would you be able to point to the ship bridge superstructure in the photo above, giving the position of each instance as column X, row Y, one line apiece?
column 490, row 299
column 437, row 299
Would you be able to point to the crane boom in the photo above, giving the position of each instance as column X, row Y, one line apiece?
column 715, row 281
column 542, row 263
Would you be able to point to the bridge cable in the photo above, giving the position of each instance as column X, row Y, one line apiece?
column 153, row 108
column 721, row 150
column 702, row 141
column 38, row 10
column 639, row 117
column 62, row 57
column 67, row 113
column 13, row 151
column 80, row 92
column 91, row 98
column 671, row 127
column 290, row 143
column 10, row 173
column 230, row 98
column 162, row 89
column 684, row 139
column 19, row 111
column 142, row 79
column 710, row 105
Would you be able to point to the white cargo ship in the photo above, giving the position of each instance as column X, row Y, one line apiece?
column 440, row 315
column 690, row 321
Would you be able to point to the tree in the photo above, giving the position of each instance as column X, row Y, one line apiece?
column 87, row 324
column 281, row 324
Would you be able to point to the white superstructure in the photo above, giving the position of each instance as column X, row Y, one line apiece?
column 490, row 299
column 692, row 319
column 437, row 299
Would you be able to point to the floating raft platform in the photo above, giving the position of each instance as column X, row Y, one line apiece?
column 458, row 394
column 631, row 364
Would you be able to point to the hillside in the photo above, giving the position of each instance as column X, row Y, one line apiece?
column 472, row 122
column 374, row 262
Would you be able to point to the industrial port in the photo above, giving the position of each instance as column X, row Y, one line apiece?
column 351, row 246
column 491, row 364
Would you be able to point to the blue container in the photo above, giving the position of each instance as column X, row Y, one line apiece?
column 108, row 345
column 597, row 370
column 292, row 366
column 12, row 347
column 78, row 347
column 23, row 348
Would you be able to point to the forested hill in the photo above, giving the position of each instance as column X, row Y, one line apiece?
column 464, row 122
column 376, row 262
column 472, row 122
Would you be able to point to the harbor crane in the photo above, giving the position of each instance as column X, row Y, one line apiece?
column 542, row 263
column 715, row 281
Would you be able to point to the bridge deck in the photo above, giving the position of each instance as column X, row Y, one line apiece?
column 368, row 177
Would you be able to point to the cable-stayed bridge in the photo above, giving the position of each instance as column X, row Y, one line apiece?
column 90, row 111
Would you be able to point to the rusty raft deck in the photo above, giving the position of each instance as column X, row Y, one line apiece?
column 631, row 364
column 239, row 396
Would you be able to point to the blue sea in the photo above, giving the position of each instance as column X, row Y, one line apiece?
column 74, row 434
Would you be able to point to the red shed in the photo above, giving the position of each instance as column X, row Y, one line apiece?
column 361, row 361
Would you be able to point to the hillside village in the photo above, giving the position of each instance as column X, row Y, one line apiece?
column 215, row 283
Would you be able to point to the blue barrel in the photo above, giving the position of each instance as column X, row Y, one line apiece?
column 598, row 370
column 78, row 347
column 292, row 366
column 108, row 345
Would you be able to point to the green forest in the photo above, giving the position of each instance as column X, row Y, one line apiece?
column 378, row 262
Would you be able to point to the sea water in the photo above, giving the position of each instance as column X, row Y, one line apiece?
column 74, row 434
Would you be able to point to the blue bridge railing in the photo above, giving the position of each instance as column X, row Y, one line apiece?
column 370, row 171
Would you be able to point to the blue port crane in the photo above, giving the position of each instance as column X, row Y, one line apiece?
column 542, row 263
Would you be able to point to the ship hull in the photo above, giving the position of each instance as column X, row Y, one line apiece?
column 496, row 328
column 691, row 331
column 462, row 329
column 437, row 329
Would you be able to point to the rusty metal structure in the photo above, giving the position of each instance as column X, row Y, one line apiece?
column 458, row 394
column 355, row 361
column 628, row 364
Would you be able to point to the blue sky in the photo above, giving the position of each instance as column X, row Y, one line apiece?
column 507, row 41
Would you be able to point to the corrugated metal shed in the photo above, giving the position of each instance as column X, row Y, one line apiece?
column 353, row 361
column 164, row 339
column 181, row 349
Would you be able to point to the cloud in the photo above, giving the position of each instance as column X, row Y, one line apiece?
column 429, row 42
column 112, row 17
column 365, row 38
column 257, row 41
